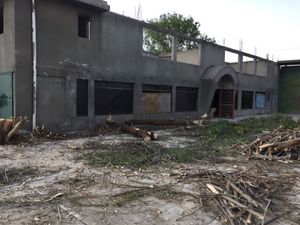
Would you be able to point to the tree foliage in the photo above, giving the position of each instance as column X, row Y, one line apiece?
column 157, row 42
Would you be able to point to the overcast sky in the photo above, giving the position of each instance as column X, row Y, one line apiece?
column 272, row 26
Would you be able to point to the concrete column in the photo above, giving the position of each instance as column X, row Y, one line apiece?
column 91, row 103
column 240, row 63
column 174, row 49
column 199, row 108
column 173, row 99
column 239, row 109
column 200, row 54
column 137, row 100
column 254, row 101
column 71, row 96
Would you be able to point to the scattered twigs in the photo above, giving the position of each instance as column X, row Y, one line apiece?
column 246, row 197
column 43, row 132
column 73, row 214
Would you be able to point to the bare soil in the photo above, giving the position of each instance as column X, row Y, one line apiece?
column 50, row 183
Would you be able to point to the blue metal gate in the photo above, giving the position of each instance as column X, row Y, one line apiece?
column 6, row 95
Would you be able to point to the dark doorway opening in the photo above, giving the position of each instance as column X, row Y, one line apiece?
column 224, row 98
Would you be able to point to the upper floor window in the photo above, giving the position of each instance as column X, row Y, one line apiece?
column 1, row 20
column 84, row 27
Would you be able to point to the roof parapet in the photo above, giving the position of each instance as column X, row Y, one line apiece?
column 100, row 4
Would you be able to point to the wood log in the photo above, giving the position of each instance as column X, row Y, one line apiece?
column 281, row 145
column 158, row 122
column 9, row 127
column 137, row 132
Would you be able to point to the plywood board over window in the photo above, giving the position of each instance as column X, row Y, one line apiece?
column 157, row 98
column 260, row 100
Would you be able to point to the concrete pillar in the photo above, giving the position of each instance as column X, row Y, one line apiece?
column 91, row 103
column 174, row 49
column 137, row 100
column 71, row 92
column 199, row 108
column 173, row 99
column 240, row 63
column 239, row 109
column 254, row 100
column 200, row 54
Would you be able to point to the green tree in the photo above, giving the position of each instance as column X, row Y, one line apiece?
column 157, row 42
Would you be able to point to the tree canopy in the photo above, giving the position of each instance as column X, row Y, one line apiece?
column 157, row 42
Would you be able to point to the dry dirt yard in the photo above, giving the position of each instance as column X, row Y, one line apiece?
column 58, row 182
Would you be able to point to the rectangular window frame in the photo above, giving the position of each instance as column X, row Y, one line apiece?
column 157, row 89
column 250, row 95
column 192, row 92
column 82, row 98
column 257, row 106
column 1, row 19
column 108, row 86
column 84, row 26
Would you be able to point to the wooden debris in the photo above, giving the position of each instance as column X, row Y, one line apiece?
column 43, row 132
column 145, row 135
column 10, row 127
column 111, row 125
column 281, row 144
column 242, row 197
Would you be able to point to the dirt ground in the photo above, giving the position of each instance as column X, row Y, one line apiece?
column 50, row 183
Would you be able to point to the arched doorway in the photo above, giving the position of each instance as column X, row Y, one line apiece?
column 224, row 98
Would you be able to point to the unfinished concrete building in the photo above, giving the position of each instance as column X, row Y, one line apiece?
column 69, row 64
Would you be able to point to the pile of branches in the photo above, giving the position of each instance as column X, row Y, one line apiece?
column 43, row 132
column 281, row 144
column 249, row 197
column 10, row 127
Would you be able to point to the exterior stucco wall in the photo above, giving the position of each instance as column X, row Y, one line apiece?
column 113, row 53
column 7, row 39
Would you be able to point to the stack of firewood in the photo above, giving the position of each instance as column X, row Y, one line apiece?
column 277, row 145
column 9, row 127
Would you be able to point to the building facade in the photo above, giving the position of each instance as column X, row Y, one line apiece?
column 90, row 63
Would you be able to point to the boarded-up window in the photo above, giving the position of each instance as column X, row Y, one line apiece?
column 1, row 20
column 186, row 99
column 260, row 100
column 113, row 98
column 82, row 97
column 84, row 26
column 157, row 98
column 247, row 99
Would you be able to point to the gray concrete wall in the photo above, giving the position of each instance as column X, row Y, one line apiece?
column 7, row 39
column 23, row 58
column 114, row 53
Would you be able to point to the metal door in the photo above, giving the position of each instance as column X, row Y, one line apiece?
column 6, row 95
column 226, row 103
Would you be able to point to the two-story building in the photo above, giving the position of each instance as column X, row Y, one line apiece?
column 68, row 64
